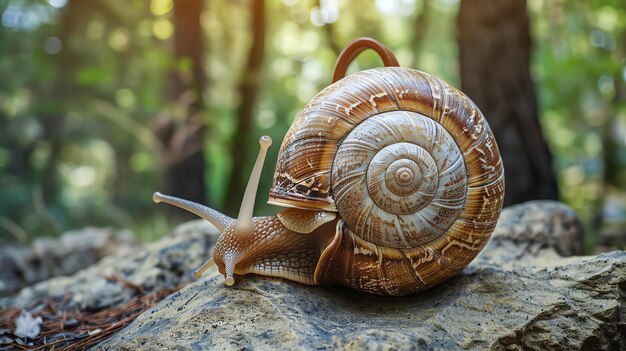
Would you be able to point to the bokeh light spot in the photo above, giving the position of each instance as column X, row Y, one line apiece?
column 162, row 28
column 119, row 39
column 141, row 161
column 606, row 86
column 95, row 30
column 52, row 45
column 161, row 7
column 57, row 3
column 326, row 13
column 266, row 118
column 396, row 7
column 125, row 98
column 82, row 176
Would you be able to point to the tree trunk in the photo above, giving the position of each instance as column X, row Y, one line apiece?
column 183, row 138
column 495, row 47
column 420, row 26
column 249, row 88
column 53, row 120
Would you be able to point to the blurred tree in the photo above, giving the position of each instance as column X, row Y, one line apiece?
column 183, row 158
column 420, row 25
column 52, row 114
column 329, row 32
column 249, row 88
column 495, row 47
column 40, row 184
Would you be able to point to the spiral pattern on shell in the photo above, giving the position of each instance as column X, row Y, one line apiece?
column 399, row 180
column 428, row 166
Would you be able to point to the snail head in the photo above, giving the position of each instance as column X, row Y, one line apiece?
column 236, row 233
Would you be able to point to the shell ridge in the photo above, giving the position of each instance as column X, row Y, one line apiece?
column 459, row 214
column 453, row 166
column 308, row 178
column 400, row 231
column 411, row 269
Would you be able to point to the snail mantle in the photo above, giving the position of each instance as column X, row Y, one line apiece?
column 391, row 181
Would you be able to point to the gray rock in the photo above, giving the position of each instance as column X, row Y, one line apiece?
column 50, row 257
column 575, row 306
column 163, row 264
column 539, row 225
column 520, row 294
column 536, row 233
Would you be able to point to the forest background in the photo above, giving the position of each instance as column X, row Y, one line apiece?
column 104, row 102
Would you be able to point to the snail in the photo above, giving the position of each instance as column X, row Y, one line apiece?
column 391, row 183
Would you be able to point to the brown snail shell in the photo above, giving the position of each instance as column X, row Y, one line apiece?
column 407, row 162
column 349, row 150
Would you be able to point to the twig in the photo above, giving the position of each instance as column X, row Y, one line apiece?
column 125, row 282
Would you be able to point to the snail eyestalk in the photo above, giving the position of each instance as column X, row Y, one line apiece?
column 244, row 225
column 244, row 220
column 219, row 220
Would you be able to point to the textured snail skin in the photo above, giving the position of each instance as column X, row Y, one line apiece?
column 392, row 180
column 273, row 250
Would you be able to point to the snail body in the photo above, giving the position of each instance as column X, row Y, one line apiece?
column 392, row 183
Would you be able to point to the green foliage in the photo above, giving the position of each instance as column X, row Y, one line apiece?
column 580, row 71
column 73, row 150
column 83, row 81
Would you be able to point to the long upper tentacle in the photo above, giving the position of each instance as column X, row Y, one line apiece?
column 219, row 220
column 244, row 220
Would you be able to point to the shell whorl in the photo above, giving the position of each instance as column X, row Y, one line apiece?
column 303, row 171
column 443, row 225
column 399, row 180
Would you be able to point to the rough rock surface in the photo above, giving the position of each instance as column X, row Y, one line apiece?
column 536, row 233
column 575, row 306
column 50, row 257
column 159, row 265
column 519, row 294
